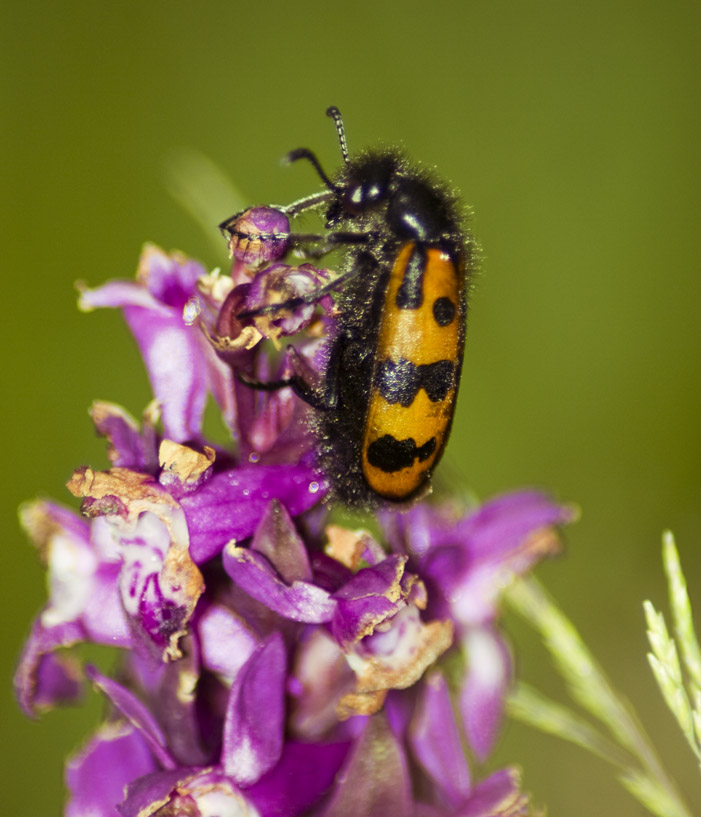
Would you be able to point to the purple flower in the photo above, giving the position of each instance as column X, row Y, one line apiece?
column 161, row 308
column 258, row 235
column 83, row 568
column 467, row 560
column 271, row 663
column 281, row 283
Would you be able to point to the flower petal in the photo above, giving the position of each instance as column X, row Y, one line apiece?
column 498, row 528
column 97, row 775
column 394, row 657
column 369, row 598
column 136, row 713
column 230, row 506
column 177, row 361
column 128, row 446
column 195, row 792
column 300, row 601
column 182, row 365
column 484, row 688
column 277, row 539
column 472, row 560
column 119, row 294
column 226, row 643
column 42, row 681
column 320, row 677
column 435, row 741
column 375, row 778
column 498, row 796
column 170, row 277
column 83, row 606
column 305, row 772
column 253, row 729
column 159, row 583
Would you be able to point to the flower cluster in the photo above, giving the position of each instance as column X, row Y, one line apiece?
column 270, row 662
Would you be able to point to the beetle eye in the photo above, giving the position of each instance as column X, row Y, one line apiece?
column 355, row 198
column 374, row 192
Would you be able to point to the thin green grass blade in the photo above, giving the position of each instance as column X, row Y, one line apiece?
column 529, row 706
column 589, row 686
column 680, row 606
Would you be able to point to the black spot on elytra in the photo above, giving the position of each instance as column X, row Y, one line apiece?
column 410, row 294
column 400, row 382
column 443, row 311
column 390, row 455
column 397, row 382
column 438, row 379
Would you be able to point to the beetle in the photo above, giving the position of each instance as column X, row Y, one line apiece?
column 387, row 401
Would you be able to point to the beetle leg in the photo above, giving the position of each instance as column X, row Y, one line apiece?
column 298, row 385
column 308, row 298
column 298, row 381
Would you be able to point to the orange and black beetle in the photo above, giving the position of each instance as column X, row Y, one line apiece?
column 390, row 387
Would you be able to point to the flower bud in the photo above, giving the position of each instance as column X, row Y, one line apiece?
column 259, row 235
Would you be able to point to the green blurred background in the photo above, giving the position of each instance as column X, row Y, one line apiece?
column 573, row 129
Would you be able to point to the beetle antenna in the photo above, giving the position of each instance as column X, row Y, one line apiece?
column 335, row 114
